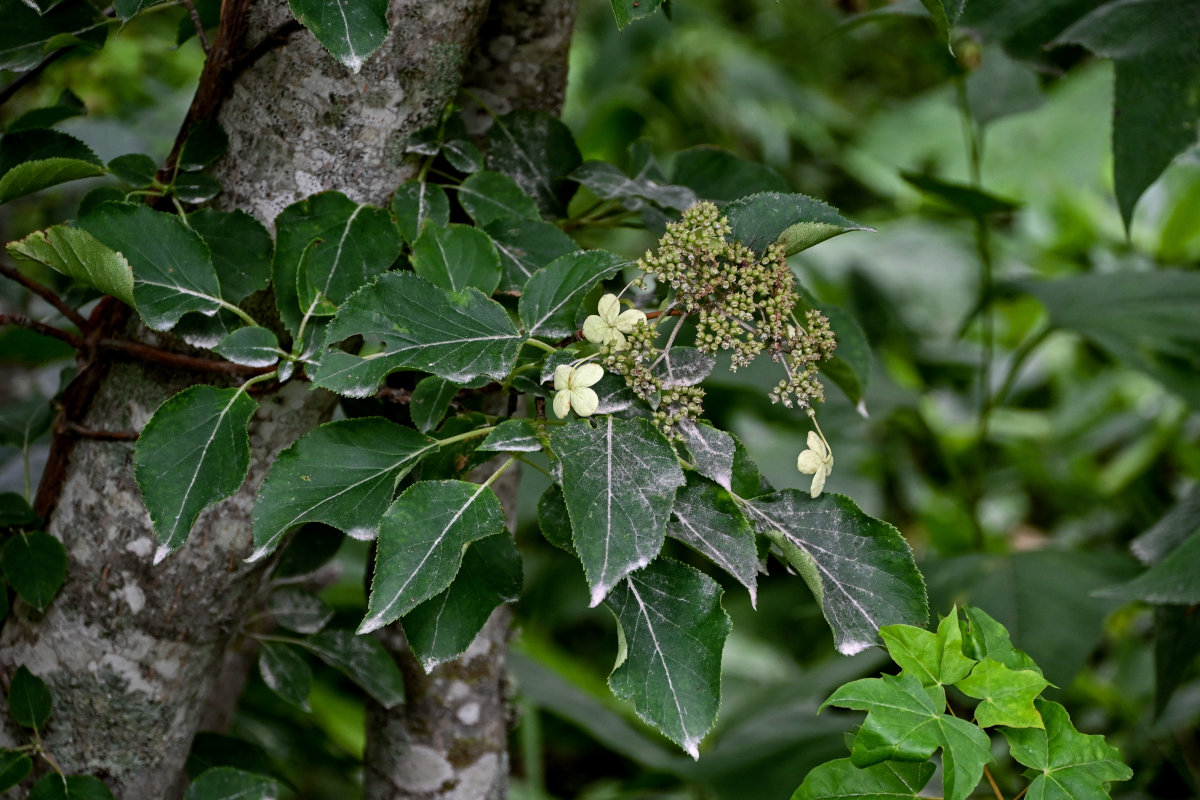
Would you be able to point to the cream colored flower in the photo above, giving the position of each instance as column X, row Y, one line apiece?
column 817, row 461
column 610, row 326
column 571, row 384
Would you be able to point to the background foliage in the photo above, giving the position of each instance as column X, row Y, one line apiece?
column 1030, row 415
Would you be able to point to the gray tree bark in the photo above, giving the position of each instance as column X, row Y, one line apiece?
column 131, row 651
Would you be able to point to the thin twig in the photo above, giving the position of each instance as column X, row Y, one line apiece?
column 40, row 327
column 44, row 292
column 104, row 436
column 401, row 396
column 200, row 34
column 987, row 773
column 146, row 352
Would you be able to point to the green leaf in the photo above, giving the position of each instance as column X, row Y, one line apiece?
column 14, row 766
column 458, row 336
column 29, row 701
column 550, row 304
column 173, row 272
column 706, row 518
column 794, row 220
column 1064, row 763
column 444, row 626
column 1145, row 319
column 905, row 722
column 1155, row 110
column 1173, row 581
column 368, row 456
column 553, row 519
column 27, row 34
column 251, row 347
column 22, row 147
column 460, row 151
column 719, row 175
column 129, row 8
column 135, row 169
column 299, row 610
column 22, row 422
column 457, row 257
column 513, row 436
column 70, row 787
column 935, row 659
column 967, row 200
column 608, row 182
column 219, row 750
column 69, row 105
column 1007, row 694
column 195, row 187
column 227, row 783
column 525, row 246
column 78, row 255
column 35, row 565
column 416, row 202
column 684, row 366
column 241, row 250
column 860, row 569
column 421, row 542
column 673, row 632
column 841, row 780
column 15, row 511
column 350, row 32
column 537, row 151
column 488, row 196
column 364, row 661
column 626, row 11
column 286, row 673
column 429, row 402
column 206, row 142
column 193, row 452
column 944, row 13
column 619, row 480
column 985, row 638
column 1171, row 530
column 310, row 548
column 33, row 176
column 850, row 367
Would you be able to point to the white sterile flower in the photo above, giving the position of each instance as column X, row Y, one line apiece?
column 817, row 461
column 610, row 326
column 571, row 384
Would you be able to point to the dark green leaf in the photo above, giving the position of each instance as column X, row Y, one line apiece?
column 312, row 546
column 707, row 519
column 33, row 176
column 514, row 436
column 29, row 700
column 458, row 336
column 626, row 11
column 684, row 366
column 457, row 458
column 252, row 347
column 1007, row 694
column 129, row 8
column 944, row 13
column 457, row 257
column 444, row 626
column 462, row 153
column 416, row 202
column 218, row 750
column 935, row 659
column 1001, row 86
column 43, row 145
column 227, row 783
column 206, row 142
column 135, row 169
column 794, row 220
column 69, row 105
column 488, row 196
column 1173, row 581
column 985, row 638
column 608, row 182
column 77, row 254
column 860, row 569
column 673, row 632
column 906, row 722
column 364, row 661
column 70, row 787
column 1170, row 531
column 15, row 511
column 553, row 519
column 550, row 304
column 429, row 402
column 24, row 421
column 967, row 200
column 192, row 453
column 350, row 32
column 299, row 610
column 1064, row 763
column 619, row 481
column 195, row 187
column 209, row 12
column 26, row 34
column 421, row 542
column 173, row 272
column 1176, row 647
column 841, row 780
column 14, row 766
column 1146, row 320
column 286, row 673
column 850, row 367
column 1024, row 27
column 719, row 175
column 342, row 474
column 525, row 246
column 35, row 565
column 537, row 151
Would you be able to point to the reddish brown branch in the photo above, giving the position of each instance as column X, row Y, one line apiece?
column 40, row 327
column 156, row 355
column 44, row 292
column 105, row 436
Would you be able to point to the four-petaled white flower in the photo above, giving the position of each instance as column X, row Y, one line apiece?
column 817, row 461
column 610, row 326
column 571, row 384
